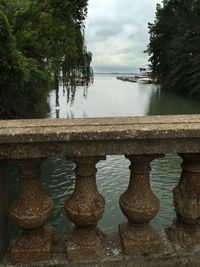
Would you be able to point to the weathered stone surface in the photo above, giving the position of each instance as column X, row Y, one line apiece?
column 100, row 128
column 187, row 192
column 30, row 211
column 85, row 243
column 184, row 237
column 4, row 231
column 139, row 205
column 32, row 246
column 138, row 239
column 84, row 208
column 165, row 258
column 99, row 136
column 185, row 231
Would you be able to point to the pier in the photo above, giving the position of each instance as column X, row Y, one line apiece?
column 132, row 79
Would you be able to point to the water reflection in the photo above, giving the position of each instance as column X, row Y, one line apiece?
column 109, row 97
column 106, row 97
column 57, row 105
column 66, row 94
column 163, row 103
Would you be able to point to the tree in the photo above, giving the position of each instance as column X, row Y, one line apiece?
column 174, row 46
column 51, row 31
column 21, row 81
column 46, row 38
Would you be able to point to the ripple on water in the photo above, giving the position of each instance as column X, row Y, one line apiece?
column 164, row 177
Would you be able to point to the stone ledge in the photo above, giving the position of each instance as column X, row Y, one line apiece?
column 168, row 261
column 99, row 137
column 113, row 256
column 122, row 128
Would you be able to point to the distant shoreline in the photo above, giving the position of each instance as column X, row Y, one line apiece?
column 116, row 73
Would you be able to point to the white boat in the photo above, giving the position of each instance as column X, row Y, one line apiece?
column 144, row 80
column 145, row 75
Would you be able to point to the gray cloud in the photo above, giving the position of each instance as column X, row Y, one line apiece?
column 105, row 29
column 117, row 33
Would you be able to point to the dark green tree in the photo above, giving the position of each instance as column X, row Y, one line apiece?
column 174, row 46
column 22, row 84
column 41, row 41
column 52, row 32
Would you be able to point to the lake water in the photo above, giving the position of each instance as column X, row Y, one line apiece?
column 109, row 97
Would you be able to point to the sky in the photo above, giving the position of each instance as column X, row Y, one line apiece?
column 117, row 33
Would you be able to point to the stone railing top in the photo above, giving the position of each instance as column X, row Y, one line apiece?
column 115, row 128
column 81, row 137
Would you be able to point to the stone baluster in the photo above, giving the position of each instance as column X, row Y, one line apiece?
column 139, row 205
column 4, row 231
column 185, row 230
column 84, row 208
column 30, row 212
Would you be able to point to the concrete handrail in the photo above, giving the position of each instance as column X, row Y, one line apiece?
column 99, row 136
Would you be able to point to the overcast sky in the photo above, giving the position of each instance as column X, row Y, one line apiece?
column 117, row 33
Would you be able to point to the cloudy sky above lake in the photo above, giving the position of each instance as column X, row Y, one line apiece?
column 117, row 33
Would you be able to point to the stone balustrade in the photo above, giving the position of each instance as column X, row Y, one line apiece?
column 27, row 143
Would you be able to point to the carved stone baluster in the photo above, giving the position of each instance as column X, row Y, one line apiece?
column 139, row 205
column 185, row 230
column 30, row 212
column 84, row 208
column 4, row 231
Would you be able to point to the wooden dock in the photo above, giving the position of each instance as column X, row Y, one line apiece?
column 132, row 79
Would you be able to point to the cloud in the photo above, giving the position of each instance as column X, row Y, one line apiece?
column 117, row 33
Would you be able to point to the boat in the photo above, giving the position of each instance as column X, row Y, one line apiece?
column 145, row 75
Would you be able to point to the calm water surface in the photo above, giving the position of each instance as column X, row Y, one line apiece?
column 109, row 97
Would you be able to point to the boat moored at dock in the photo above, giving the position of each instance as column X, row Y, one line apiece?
column 145, row 75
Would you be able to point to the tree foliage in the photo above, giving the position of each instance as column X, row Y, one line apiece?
column 174, row 46
column 40, row 40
